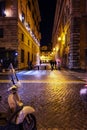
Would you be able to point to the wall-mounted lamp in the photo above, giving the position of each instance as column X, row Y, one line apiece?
column 54, row 49
column 62, row 38
column 59, row 39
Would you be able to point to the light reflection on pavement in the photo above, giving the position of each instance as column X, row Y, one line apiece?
column 55, row 97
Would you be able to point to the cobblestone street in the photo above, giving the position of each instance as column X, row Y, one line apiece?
column 55, row 95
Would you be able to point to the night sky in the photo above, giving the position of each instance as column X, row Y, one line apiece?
column 47, row 12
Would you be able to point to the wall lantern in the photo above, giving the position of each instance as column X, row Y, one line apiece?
column 59, row 38
column 54, row 49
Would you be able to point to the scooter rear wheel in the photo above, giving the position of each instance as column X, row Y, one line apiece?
column 29, row 122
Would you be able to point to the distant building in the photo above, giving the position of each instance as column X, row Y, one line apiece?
column 19, row 32
column 45, row 54
column 44, row 48
column 69, row 34
column 45, row 57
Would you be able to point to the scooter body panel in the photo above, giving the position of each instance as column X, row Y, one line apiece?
column 23, row 113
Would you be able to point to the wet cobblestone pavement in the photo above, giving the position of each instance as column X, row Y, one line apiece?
column 55, row 95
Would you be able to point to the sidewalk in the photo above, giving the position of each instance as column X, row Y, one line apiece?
column 81, row 75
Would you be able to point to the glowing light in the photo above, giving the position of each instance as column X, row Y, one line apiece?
column 59, row 38
column 83, row 91
column 54, row 49
column 27, row 26
column 16, row 54
column 8, row 13
column 63, row 38
column 57, row 48
column 85, row 85
column 83, row 94
column 21, row 17
column 42, row 57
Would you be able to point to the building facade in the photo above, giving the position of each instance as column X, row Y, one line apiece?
column 45, row 54
column 69, row 33
column 19, row 32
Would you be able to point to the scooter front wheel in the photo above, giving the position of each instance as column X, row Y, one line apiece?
column 29, row 122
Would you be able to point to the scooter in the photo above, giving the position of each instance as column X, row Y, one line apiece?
column 22, row 117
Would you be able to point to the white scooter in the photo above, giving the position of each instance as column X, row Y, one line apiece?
column 21, row 116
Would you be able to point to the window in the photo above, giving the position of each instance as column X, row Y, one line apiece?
column 29, row 5
column 29, row 42
column 22, row 37
column 28, row 57
column 33, row 15
column 28, row 26
column 22, row 55
column 2, row 8
column 1, row 32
